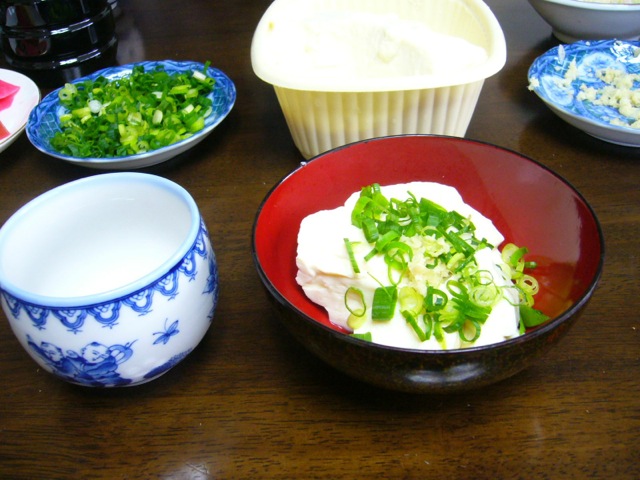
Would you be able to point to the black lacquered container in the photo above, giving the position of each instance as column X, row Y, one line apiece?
column 54, row 41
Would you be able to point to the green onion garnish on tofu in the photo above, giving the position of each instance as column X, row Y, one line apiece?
column 447, row 242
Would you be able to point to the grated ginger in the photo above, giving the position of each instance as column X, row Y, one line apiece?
column 619, row 92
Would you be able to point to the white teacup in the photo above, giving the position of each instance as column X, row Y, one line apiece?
column 109, row 280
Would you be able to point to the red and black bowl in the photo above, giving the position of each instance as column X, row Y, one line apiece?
column 530, row 204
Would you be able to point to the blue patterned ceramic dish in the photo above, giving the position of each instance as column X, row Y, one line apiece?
column 558, row 76
column 44, row 119
column 110, row 280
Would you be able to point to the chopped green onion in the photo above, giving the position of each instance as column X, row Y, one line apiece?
column 411, row 320
column 352, row 257
column 67, row 92
column 474, row 324
column 398, row 253
column 448, row 243
column 354, row 302
column 429, row 323
column 528, row 284
column 410, row 300
column 438, row 333
column 201, row 77
column 531, row 317
column 363, row 336
column 354, row 322
column 95, row 106
column 517, row 255
column 435, row 299
column 370, row 230
column 384, row 303
column 145, row 110
column 484, row 295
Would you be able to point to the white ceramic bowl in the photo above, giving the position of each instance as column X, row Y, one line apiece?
column 573, row 20
column 303, row 50
column 109, row 280
column 14, row 118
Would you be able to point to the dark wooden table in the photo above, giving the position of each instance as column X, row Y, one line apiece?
column 250, row 402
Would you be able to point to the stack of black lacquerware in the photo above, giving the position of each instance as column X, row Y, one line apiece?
column 55, row 41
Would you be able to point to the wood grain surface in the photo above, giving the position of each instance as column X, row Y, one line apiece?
column 250, row 402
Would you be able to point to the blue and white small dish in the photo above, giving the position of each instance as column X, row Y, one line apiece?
column 110, row 280
column 559, row 76
column 44, row 120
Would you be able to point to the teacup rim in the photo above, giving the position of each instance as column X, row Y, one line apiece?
column 130, row 288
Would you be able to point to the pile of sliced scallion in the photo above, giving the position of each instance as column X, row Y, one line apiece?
column 140, row 112
column 469, row 295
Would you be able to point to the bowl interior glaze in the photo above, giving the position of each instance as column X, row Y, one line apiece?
column 96, row 239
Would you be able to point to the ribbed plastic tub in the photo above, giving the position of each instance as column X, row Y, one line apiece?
column 303, row 50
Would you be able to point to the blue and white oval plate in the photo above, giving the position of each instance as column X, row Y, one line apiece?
column 44, row 120
column 560, row 75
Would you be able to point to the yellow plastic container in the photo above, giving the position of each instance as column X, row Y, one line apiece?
column 342, row 102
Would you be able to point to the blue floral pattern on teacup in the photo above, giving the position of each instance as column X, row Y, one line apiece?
column 108, row 313
column 167, row 333
column 98, row 363
column 94, row 365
